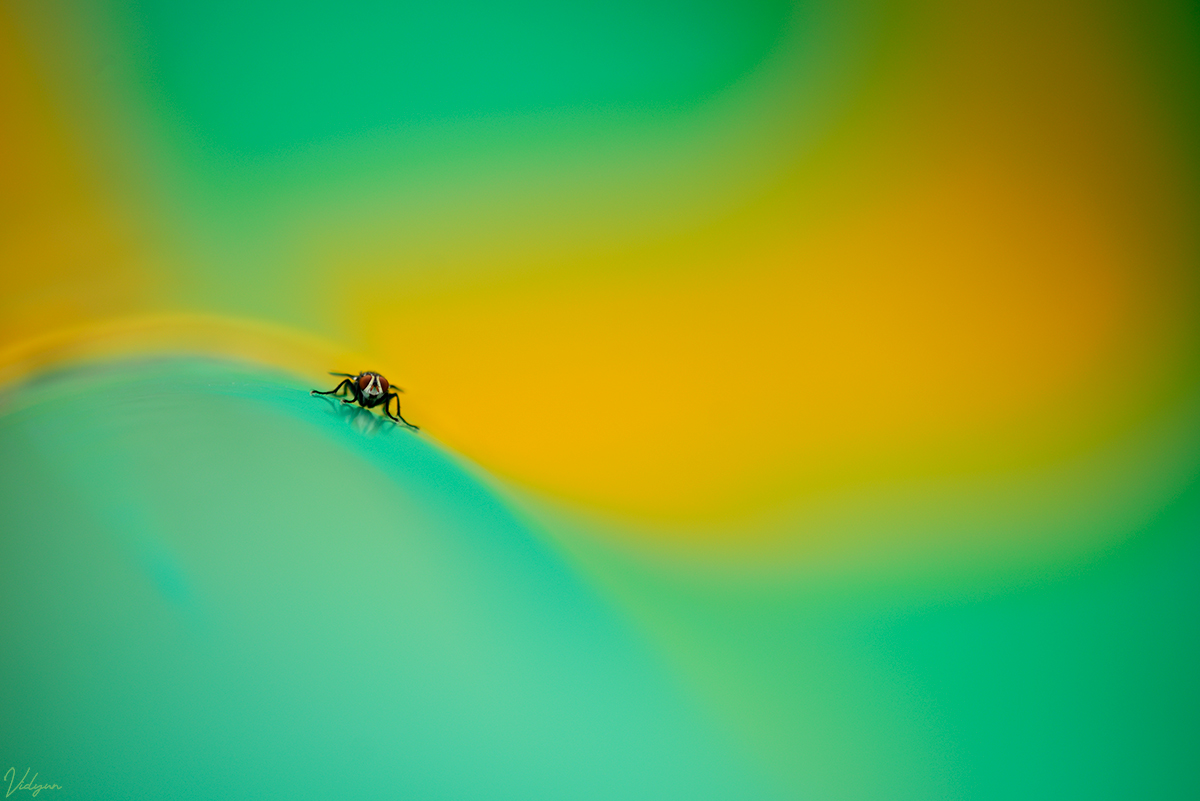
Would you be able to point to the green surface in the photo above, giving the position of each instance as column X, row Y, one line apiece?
column 216, row 585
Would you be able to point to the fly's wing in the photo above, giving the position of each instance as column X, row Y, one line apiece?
column 345, row 375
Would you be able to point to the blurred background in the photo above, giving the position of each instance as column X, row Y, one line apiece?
column 809, row 399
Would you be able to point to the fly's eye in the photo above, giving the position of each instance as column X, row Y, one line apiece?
column 383, row 384
column 363, row 381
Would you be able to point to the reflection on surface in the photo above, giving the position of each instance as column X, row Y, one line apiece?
column 364, row 421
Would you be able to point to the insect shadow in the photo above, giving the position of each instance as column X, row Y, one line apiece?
column 364, row 421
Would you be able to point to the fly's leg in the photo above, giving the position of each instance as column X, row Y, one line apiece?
column 334, row 391
column 387, row 408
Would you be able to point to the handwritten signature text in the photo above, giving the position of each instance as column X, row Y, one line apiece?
column 26, row 783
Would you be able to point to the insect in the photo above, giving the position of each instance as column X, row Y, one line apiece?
column 369, row 389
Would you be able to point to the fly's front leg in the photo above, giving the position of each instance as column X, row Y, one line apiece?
column 387, row 408
column 333, row 391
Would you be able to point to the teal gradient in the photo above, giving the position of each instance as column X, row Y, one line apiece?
column 219, row 586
